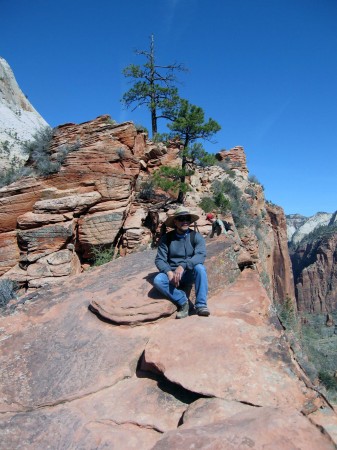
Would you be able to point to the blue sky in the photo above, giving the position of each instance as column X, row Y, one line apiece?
column 266, row 70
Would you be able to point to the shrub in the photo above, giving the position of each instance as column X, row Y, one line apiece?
column 328, row 380
column 253, row 179
column 7, row 291
column 287, row 313
column 121, row 153
column 170, row 179
column 102, row 255
column 207, row 204
column 147, row 191
column 141, row 128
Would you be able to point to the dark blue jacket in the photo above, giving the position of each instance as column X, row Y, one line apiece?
column 180, row 252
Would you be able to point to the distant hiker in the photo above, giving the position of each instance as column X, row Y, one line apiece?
column 218, row 227
column 180, row 257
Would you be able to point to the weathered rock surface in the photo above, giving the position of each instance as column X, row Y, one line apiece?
column 18, row 119
column 261, row 428
column 200, row 367
column 282, row 274
column 95, row 201
column 136, row 301
column 65, row 373
column 315, row 273
column 299, row 226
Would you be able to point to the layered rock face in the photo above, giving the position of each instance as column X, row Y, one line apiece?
column 18, row 119
column 49, row 226
column 140, row 379
column 315, row 271
column 299, row 226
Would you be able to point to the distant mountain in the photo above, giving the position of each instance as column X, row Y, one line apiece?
column 299, row 226
column 18, row 118
column 313, row 255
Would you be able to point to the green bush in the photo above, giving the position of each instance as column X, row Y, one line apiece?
column 7, row 291
column 328, row 380
column 102, row 255
column 146, row 191
column 207, row 204
column 170, row 179
column 287, row 313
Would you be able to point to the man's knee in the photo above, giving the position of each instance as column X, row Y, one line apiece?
column 199, row 269
column 159, row 279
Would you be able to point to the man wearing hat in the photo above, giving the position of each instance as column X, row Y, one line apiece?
column 180, row 257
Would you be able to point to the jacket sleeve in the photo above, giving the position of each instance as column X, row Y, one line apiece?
column 199, row 252
column 162, row 255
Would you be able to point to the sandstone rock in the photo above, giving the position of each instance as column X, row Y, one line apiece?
column 42, row 241
column 208, row 368
column 98, row 229
column 59, row 264
column 279, row 429
column 9, row 251
column 136, row 302
column 109, row 205
column 211, row 410
column 282, row 275
column 17, row 199
column 33, row 220
column 75, row 203
column 235, row 158
column 64, row 351
column 315, row 273
column 18, row 119
column 114, row 188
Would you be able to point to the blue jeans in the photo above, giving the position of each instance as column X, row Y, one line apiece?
column 197, row 276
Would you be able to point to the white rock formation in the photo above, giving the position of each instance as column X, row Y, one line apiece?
column 19, row 121
column 299, row 226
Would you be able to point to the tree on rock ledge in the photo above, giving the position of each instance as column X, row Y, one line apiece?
column 153, row 86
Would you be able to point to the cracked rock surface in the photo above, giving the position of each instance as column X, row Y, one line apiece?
column 77, row 380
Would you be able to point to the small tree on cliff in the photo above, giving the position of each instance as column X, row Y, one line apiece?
column 153, row 86
column 189, row 125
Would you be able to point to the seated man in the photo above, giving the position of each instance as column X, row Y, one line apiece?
column 179, row 259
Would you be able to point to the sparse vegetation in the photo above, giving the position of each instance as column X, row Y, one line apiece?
column 40, row 159
column 102, row 255
column 7, row 291
column 172, row 179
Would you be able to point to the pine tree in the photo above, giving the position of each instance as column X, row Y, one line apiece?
column 153, row 86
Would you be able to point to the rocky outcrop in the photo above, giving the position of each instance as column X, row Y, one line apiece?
column 282, row 275
column 226, row 381
column 234, row 159
column 19, row 121
column 89, row 203
column 315, row 271
column 300, row 226
column 98, row 200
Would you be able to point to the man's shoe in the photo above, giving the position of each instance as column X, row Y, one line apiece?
column 182, row 311
column 203, row 311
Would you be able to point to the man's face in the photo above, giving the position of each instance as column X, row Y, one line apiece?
column 182, row 223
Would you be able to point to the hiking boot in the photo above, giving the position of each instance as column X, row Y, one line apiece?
column 203, row 311
column 182, row 311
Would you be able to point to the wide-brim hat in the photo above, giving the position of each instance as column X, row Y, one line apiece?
column 181, row 211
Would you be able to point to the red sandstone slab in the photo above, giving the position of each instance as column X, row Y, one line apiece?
column 260, row 428
column 230, row 358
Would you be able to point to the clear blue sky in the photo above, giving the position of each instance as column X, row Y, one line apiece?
column 266, row 70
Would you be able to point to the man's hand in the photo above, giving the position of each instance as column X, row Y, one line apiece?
column 170, row 275
column 178, row 273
